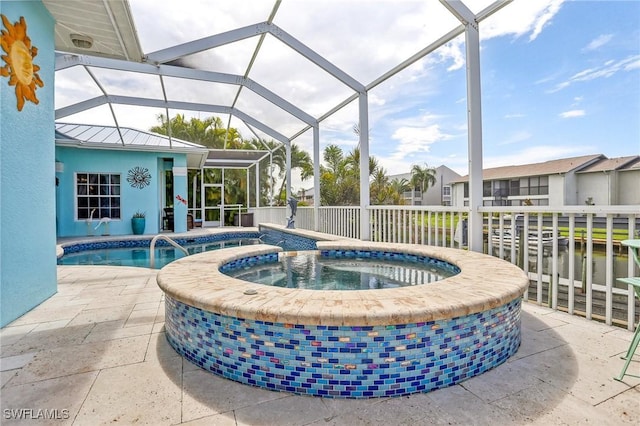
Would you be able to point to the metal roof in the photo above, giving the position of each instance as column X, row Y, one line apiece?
column 124, row 138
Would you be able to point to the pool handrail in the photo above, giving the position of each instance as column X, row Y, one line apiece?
column 152, row 257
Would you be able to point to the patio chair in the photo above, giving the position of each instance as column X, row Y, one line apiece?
column 635, row 282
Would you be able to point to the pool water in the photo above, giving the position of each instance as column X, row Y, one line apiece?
column 314, row 272
column 139, row 256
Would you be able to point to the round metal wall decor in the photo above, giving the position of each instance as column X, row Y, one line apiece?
column 139, row 177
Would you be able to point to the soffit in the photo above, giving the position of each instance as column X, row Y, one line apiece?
column 108, row 22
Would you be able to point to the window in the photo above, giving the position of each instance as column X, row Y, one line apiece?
column 514, row 187
column 486, row 189
column 500, row 188
column 97, row 192
column 446, row 190
column 544, row 185
column 538, row 185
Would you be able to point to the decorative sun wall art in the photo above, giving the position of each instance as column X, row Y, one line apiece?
column 139, row 177
column 18, row 57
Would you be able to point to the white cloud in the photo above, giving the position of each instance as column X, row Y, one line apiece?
column 520, row 18
column 364, row 38
column 607, row 69
column 416, row 139
column 573, row 113
column 598, row 42
column 517, row 137
column 632, row 65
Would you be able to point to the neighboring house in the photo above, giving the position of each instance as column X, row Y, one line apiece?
column 563, row 182
column 614, row 181
column 306, row 195
column 439, row 194
column 106, row 173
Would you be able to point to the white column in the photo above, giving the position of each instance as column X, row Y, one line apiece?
column 247, row 198
column 316, row 177
column 474, row 119
column 271, row 181
column 364, row 166
column 257, row 184
column 288, row 172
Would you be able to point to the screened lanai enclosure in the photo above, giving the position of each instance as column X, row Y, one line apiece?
column 206, row 67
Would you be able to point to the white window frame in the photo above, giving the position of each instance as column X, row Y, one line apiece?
column 97, row 215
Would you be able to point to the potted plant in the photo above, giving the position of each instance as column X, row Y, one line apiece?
column 138, row 222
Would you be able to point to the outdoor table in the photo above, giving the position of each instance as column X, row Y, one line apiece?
column 634, row 245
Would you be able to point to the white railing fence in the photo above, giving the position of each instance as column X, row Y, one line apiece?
column 342, row 221
column 572, row 254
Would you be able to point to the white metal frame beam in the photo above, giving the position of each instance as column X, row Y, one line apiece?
column 67, row 61
column 159, row 103
column 206, row 43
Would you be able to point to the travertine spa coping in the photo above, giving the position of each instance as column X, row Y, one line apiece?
column 484, row 283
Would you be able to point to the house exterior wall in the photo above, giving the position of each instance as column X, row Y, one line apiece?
column 559, row 189
column 610, row 188
column 132, row 199
column 180, row 208
column 595, row 186
column 27, row 177
column 457, row 194
column 629, row 187
column 433, row 195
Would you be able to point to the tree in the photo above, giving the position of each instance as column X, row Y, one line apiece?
column 397, row 189
column 299, row 160
column 209, row 132
column 423, row 177
column 379, row 188
column 340, row 177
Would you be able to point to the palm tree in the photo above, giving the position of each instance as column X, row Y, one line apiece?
column 209, row 132
column 340, row 178
column 397, row 189
column 299, row 160
column 378, row 189
column 423, row 177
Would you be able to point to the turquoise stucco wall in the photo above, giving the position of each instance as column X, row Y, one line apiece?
column 180, row 192
column 147, row 199
column 27, row 176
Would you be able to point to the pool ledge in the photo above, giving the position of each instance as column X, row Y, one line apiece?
column 484, row 283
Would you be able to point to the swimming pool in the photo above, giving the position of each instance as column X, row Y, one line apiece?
column 309, row 270
column 135, row 252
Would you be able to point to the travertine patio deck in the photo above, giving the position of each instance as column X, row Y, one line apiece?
column 96, row 353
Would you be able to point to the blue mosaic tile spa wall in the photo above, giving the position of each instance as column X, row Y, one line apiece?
column 286, row 240
column 145, row 242
column 345, row 254
column 345, row 361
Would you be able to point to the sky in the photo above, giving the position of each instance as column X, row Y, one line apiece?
column 559, row 78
